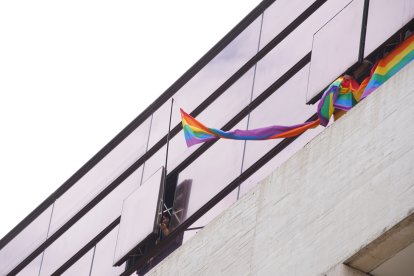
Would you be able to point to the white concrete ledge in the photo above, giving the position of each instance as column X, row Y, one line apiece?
column 344, row 270
column 385, row 247
column 346, row 188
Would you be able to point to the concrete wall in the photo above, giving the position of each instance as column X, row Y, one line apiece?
column 344, row 189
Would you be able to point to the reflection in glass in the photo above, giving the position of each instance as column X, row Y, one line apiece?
column 82, row 267
column 279, row 15
column 220, row 68
column 100, row 176
column 384, row 19
column 286, row 106
column 205, row 82
column 92, row 223
column 207, row 173
column 215, row 115
column 294, row 47
column 180, row 203
column 25, row 242
column 328, row 42
column 140, row 213
column 104, row 256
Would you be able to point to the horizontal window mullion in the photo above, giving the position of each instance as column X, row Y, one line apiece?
column 216, row 199
column 175, row 130
column 138, row 120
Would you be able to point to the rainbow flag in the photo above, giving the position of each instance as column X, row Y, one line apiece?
column 390, row 65
column 342, row 94
column 326, row 104
column 195, row 132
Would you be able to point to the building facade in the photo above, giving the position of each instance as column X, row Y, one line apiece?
column 345, row 214
column 270, row 69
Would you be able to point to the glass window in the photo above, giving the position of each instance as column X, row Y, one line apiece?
column 104, row 256
column 216, row 210
column 205, row 82
column 207, row 174
column 92, row 223
column 330, row 55
column 279, row 159
column 294, row 47
column 286, row 106
column 279, row 15
column 159, row 123
column 220, row 68
column 215, row 115
column 33, row 268
column 384, row 19
column 210, row 215
column 180, row 203
column 25, row 242
column 208, row 79
column 100, row 176
column 154, row 163
column 82, row 267
column 140, row 212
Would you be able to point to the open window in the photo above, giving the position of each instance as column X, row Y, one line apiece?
column 141, row 215
column 335, row 47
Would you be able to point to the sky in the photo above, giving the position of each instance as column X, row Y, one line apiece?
column 74, row 73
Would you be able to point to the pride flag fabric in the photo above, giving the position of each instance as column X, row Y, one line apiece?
column 342, row 94
column 390, row 65
column 195, row 132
